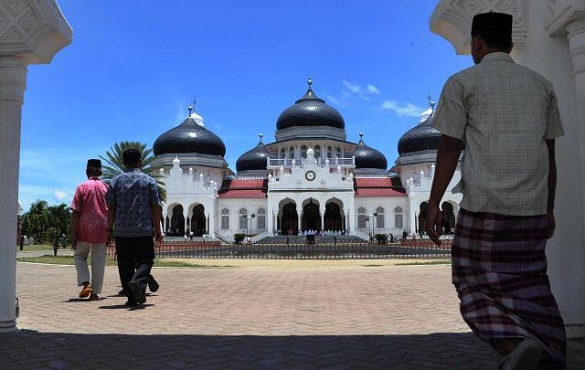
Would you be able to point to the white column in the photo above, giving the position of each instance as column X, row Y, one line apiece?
column 571, row 275
column 12, row 85
column 299, row 218
column 576, row 39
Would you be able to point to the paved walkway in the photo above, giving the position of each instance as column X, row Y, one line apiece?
column 259, row 316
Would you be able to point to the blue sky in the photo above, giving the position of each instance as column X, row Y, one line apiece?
column 134, row 66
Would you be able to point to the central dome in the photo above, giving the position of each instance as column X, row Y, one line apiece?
column 310, row 110
column 189, row 137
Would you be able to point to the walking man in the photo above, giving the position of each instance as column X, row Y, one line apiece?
column 88, row 230
column 134, row 217
column 506, row 116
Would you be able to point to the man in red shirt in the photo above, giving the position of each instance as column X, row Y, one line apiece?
column 89, row 230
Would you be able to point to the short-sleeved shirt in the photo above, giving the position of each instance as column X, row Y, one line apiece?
column 89, row 201
column 133, row 193
column 503, row 112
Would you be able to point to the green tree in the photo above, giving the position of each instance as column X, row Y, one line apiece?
column 115, row 164
column 35, row 221
column 59, row 226
column 46, row 223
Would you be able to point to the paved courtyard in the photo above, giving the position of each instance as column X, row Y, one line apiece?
column 259, row 315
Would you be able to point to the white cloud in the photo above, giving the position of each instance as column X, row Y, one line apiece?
column 352, row 92
column 60, row 195
column 402, row 109
column 373, row 89
column 364, row 93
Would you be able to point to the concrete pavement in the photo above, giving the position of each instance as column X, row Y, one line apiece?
column 258, row 316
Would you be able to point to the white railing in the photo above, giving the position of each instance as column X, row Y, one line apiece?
column 321, row 162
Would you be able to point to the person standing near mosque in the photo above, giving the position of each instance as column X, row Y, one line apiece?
column 88, row 230
column 134, row 217
column 507, row 118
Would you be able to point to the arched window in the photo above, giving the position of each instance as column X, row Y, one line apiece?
column 329, row 152
column 338, row 153
column 261, row 219
column 243, row 219
column 317, row 151
column 398, row 219
column 380, row 218
column 225, row 219
column 282, row 153
column 291, row 153
column 362, row 218
column 304, row 151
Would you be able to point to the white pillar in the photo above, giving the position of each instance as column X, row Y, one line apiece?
column 45, row 34
column 576, row 39
column 571, row 256
column 549, row 38
column 12, row 85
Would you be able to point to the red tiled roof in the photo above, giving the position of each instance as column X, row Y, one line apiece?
column 373, row 182
column 243, row 188
column 378, row 192
column 376, row 187
column 243, row 193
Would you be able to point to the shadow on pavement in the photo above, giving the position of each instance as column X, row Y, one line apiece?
column 32, row 350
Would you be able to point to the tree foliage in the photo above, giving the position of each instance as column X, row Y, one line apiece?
column 114, row 164
column 46, row 223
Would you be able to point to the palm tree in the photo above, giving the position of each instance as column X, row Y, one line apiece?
column 115, row 164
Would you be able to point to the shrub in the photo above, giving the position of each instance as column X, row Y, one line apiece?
column 381, row 238
column 238, row 238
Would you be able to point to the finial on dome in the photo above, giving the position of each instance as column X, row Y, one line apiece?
column 310, row 82
column 431, row 102
column 361, row 137
column 190, row 109
column 260, row 136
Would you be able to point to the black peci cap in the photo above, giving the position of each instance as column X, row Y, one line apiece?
column 496, row 24
column 95, row 163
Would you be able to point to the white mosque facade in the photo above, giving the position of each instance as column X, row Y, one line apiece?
column 309, row 179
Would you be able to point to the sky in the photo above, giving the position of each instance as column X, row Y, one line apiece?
column 134, row 66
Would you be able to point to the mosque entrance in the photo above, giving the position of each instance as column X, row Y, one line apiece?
column 198, row 224
column 311, row 216
column 422, row 217
column 448, row 217
column 177, row 226
column 333, row 218
column 289, row 220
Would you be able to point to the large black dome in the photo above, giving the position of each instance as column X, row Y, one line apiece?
column 366, row 157
column 253, row 159
column 189, row 137
column 310, row 110
column 422, row 137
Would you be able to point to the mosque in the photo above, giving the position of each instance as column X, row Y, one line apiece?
column 310, row 179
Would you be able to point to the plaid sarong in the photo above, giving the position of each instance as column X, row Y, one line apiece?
column 499, row 271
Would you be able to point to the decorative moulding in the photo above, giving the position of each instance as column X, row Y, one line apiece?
column 452, row 20
column 564, row 12
column 34, row 30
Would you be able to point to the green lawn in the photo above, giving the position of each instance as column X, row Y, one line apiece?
column 68, row 260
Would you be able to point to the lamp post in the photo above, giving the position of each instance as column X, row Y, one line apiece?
column 248, row 221
column 374, row 215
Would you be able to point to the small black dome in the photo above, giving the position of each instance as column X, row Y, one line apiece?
column 189, row 137
column 366, row 157
column 253, row 159
column 310, row 110
column 423, row 137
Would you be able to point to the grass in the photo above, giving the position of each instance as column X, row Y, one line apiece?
column 68, row 260
column 39, row 247
column 437, row 262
